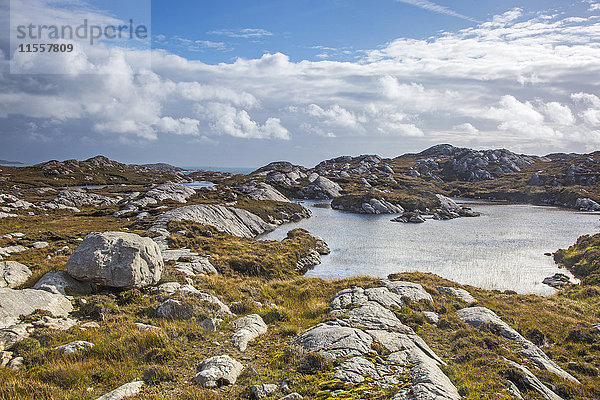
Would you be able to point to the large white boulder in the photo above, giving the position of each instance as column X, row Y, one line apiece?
column 117, row 259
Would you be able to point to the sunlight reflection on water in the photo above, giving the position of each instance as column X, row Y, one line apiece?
column 503, row 249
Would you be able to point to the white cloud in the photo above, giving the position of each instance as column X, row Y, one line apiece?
column 511, row 77
column 518, row 117
column 227, row 120
column 242, row 33
column 428, row 5
column 465, row 128
column 392, row 128
column 181, row 126
column 336, row 116
column 559, row 113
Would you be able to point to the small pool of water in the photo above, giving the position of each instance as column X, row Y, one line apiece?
column 503, row 249
column 199, row 184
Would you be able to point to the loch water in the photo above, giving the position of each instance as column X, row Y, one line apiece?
column 502, row 249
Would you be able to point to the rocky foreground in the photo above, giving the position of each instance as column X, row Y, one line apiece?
column 141, row 287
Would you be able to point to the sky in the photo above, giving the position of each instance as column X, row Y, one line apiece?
column 243, row 83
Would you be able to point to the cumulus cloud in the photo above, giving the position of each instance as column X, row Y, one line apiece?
column 511, row 76
column 227, row 120
column 465, row 128
column 559, row 113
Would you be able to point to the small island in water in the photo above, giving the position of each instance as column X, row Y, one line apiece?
column 417, row 277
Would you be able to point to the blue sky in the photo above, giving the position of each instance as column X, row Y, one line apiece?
column 243, row 83
column 309, row 29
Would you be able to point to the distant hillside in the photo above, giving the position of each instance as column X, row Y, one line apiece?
column 97, row 170
column 6, row 162
column 161, row 167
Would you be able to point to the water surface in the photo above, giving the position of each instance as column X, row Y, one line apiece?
column 503, row 249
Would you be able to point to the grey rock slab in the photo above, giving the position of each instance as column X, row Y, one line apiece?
column 7, row 215
column 357, row 369
column 230, row 220
column 74, row 347
column 310, row 260
column 199, row 266
column 218, row 371
column 210, row 324
column 447, row 204
column 13, row 274
column 174, row 309
column 16, row 363
column 176, row 254
column 351, row 296
column 172, row 288
column 117, row 259
column 14, row 303
column 262, row 191
column 127, row 390
column 171, row 191
column 396, row 342
column 374, row 316
column 5, row 357
column 477, row 316
column 61, row 282
column 263, row 390
column 587, row 204
column 320, row 188
column 527, row 379
column 247, row 328
column 40, row 245
column 431, row 317
column 292, row 396
column 428, row 380
column 13, row 334
column 409, row 291
column 148, row 328
column 462, row 294
column 333, row 340
column 357, row 296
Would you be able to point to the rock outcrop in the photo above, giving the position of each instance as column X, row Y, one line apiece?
column 364, row 316
column 481, row 316
column 449, row 163
column 233, row 221
column 13, row 274
column 366, row 205
column 218, row 371
column 462, row 294
column 127, row 390
column 60, row 282
column 116, row 259
column 165, row 192
column 557, row 281
column 189, row 263
column 262, row 191
column 282, row 173
column 321, row 188
column 74, row 199
column 14, row 303
column 409, row 291
column 74, row 347
column 247, row 328
column 587, row 204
